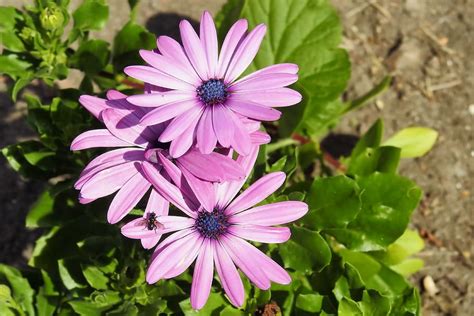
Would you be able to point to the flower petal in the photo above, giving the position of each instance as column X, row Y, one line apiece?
column 231, row 41
column 169, row 66
column 270, row 268
column 180, row 123
column 161, row 98
column 272, row 214
column 172, row 49
column 170, row 256
column 205, row 135
column 203, row 190
column 127, row 128
column 264, row 82
column 168, row 111
column 223, row 125
column 108, row 181
column 137, row 228
column 160, row 206
column 245, row 53
column 253, row 110
column 166, row 189
column 270, row 235
column 228, row 275
column 260, row 138
column 97, row 138
column 278, row 97
column 203, row 275
column 181, row 144
column 183, row 264
column 158, row 78
column 193, row 48
column 257, row 192
column 237, row 253
column 241, row 141
column 285, row 68
column 208, row 36
column 93, row 104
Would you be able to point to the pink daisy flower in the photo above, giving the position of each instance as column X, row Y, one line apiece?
column 202, row 94
column 216, row 237
column 120, row 170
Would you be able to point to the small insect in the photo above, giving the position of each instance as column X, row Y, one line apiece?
column 152, row 222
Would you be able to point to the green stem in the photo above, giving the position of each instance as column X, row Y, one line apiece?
column 280, row 144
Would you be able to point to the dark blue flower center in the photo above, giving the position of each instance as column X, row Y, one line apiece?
column 211, row 225
column 212, row 92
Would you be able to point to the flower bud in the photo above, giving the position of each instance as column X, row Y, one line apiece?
column 51, row 18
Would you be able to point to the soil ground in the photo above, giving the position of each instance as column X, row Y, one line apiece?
column 426, row 45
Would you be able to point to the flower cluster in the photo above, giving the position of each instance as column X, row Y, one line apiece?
column 191, row 140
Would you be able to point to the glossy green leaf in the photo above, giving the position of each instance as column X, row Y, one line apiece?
column 408, row 267
column 371, row 139
column 21, row 290
column 348, row 307
column 408, row 244
column 42, row 208
column 365, row 265
column 309, row 302
column 333, row 202
column 374, row 304
column 95, row 277
column 91, row 15
column 91, row 57
column 413, row 141
column 214, row 302
column 128, row 41
column 382, row 159
column 305, row 251
column 387, row 203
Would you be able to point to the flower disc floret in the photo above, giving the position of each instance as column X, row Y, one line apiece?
column 211, row 224
column 213, row 91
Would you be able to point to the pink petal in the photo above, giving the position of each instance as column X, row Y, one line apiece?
column 93, row 104
column 193, row 48
column 264, row 82
column 228, row 275
column 184, row 264
column 181, row 144
column 169, row 66
column 270, row 268
column 161, row 98
column 203, row 190
column 253, row 110
column 97, row 138
column 127, row 128
column 172, row 49
column 257, row 192
column 232, row 40
column 205, row 135
column 213, row 167
column 273, row 69
column 115, row 95
column 166, row 189
column 260, row 138
column 226, row 191
column 180, row 123
column 127, row 197
column 241, row 141
column 223, row 125
column 238, row 255
column 170, row 256
column 278, row 97
column 108, row 181
column 272, row 214
column 158, row 205
column 259, row 233
column 203, row 275
column 158, row 78
column 245, row 53
column 169, row 111
column 137, row 229
column 208, row 36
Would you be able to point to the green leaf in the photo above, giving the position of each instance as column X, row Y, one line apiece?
column 413, row 141
column 309, row 302
column 71, row 278
column 128, row 41
column 387, row 203
column 91, row 57
column 408, row 244
column 382, row 159
column 307, row 33
column 42, row 208
column 408, row 266
column 12, row 66
column 333, row 201
column 21, row 290
column 20, row 84
column 214, row 302
column 365, row 265
column 371, row 139
column 374, row 304
column 91, row 15
column 47, row 298
column 375, row 91
column 8, row 33
column 95, row 277
column 305, row 251
column 348, row 307
column 100, row 301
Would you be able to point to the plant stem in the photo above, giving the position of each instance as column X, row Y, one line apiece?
column 281, row 143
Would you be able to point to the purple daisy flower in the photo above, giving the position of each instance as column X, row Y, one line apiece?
column 216, row 237
column 201, row 93
column 122, row 169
